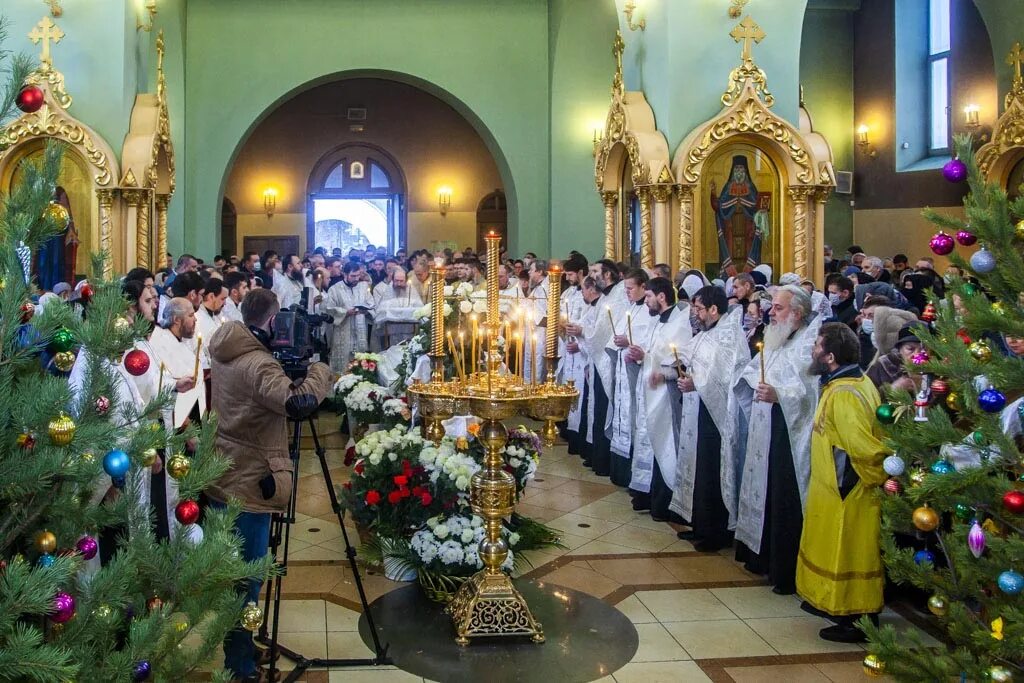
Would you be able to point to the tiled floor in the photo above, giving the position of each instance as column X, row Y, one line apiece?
column 700, row 617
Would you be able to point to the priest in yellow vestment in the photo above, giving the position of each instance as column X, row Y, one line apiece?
column 839, row 568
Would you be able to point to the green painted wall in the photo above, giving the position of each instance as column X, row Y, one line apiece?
column 826, row 73
column 1005, row 23
column 581, row 35
column 488, row 59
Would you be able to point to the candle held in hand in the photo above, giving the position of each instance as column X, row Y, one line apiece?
column 760, row 349
column 199, row 346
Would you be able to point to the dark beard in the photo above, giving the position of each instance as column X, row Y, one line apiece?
column 818, row 368
column 296, row 275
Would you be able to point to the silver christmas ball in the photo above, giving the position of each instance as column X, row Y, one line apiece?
column 983, row 261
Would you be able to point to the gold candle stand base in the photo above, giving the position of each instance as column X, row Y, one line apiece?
column 489, row 605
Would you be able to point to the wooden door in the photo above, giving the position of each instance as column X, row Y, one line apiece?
column 282, row 244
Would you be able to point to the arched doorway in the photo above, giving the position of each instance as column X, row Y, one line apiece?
column 491, row 215
column 356, row 197
column 228, row 228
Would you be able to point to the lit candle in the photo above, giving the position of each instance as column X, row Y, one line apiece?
column 519, row 352
column 675, row 354
column 199, row 345
column 160, row 384
column 610, row 320
column 629, row 328
column 533, row 358
column 462, row 346
column 760, row 348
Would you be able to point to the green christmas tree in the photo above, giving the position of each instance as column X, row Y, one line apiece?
column 157, row 609
column 953, row 509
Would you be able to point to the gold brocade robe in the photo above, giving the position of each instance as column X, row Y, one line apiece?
column 839, row 569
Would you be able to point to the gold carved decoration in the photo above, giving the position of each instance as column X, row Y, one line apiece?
column 799, row 195
column 646, row 229
column 162, row 200
column 610, row 200
column 618, row 84
column 747, row 31
column 106, row 198
column 686, row 227
column 661, row 193
column 736, row 8
column 162, row 138
column 997, row 157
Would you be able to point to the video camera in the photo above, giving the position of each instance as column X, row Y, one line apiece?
column 297, row 337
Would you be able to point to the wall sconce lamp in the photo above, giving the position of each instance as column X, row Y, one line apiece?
column 863, row 143
column 628, row 11
column 598, row 138
column 150, row 7
column 971, row 116
column 269, row 201
column 444, row 199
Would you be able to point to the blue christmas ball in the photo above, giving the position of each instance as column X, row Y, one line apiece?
column 983, row 261
column 116, row 463
column 46, row 560
column 118, row 482
column 922, row 556
column 942, row 467
column 142, row 670
column 991, row 400
column 1010, row 582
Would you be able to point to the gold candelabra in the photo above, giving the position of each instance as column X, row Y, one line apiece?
column 488, row 604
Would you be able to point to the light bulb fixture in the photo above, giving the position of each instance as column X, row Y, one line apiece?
column 971, row 116
column 598, row 138
column 444, row 199
column 863, row 142
column 628, row 11
column 270, row 201
column 150, row 8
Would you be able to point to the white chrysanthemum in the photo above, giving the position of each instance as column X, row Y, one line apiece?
column 462, row 483
column 451, row 552
column 467, row 535
column 464, row 289
column 478, row 307
column 374, row 459
column 441, row 530
column 477, row 521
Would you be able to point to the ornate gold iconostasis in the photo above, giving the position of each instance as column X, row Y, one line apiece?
column 110, row 210
column 1002, row 158
column 743, row 188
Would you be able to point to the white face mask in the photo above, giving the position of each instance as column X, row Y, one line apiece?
column 833, row 298
column 867, row 326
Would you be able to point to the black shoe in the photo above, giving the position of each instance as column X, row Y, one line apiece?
column 784, row 590
column 811, row 609
column 707, row 546
column 656, row 518
column 687, row 535
column 845, row 632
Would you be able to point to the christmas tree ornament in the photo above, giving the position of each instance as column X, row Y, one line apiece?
column 1013, row 501
column 194, row 534
column 939, row 387
column 978, row 438
column 922, row 556
column 886, row 413
column 1011, row 582
column 1018, row 229
column 997, row 308
column 180, row 622
column 178, row 466
column 121, row 325
column 26, row 441
column 103, row 612
column 118, row 482
column 86, row 292
column 45, row 541
column 991, row 400
column 154, row 603
column 963, row 336
column 57, row 214
column 87, row 458
column 892, row 486
column 63, row 608
column 136, row 362
column 116, row 463
column 28, row 309
column 30, row 99
column 88, row 546
column 62, row 340
column 941, row 243
column 873, row 666
column 252, row 616
column 980, row 351
column 65, row 360
column 929, row 315
column 142, row 670
column 149, row 457
column 966, row 238
column 999, row 674
column 916, row 476
column 102, row 404
column 963, row 512
column 953, row 401
column 925, row 518
column 976, row 539
column 61, row 430
column 937, row 605
column 186, row 512
column 942, row 467
column 46, row 560
column 983, row 261
column 894, row 465
column 954, row 171
column 920, row 358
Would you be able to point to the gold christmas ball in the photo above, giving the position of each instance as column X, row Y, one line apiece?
column 121, row 325
column 917, row 476
column 873, row 666
column 980, row 351
column 252, row 616
column 180, row 623
column 149, row 457
column 925, row 518
column 46, row 542
column 103, row 612
column 58, row 214
column 1018, row 229
column 62, row 430
column 953, row 401
column 937, row 605
column 1000, row 674
column 998, row 308
column 64, row 360
column 178, row 466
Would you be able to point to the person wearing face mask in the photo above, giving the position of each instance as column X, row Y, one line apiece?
column 840, row 296
column 867, row 327
column 753, row 323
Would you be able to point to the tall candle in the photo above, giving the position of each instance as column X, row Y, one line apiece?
column 199, row 345
column 519, row 352
column 760, row 348
column 472, row 342
column 533, row 358
column 551, row 338
column 610, row 320
column 462, row 347
column 455, row 358
column 437, row 310
column 160, row 384
column 675, row 354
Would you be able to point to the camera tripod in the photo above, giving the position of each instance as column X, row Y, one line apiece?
column 280, row 534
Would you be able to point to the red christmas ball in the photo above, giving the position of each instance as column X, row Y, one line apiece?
column 136, row 362
column 30, row 99
column 86, row 292
column 939, row 387
column 187, row 512
column 893, row 486
column 28, row 310
column 1014, row 502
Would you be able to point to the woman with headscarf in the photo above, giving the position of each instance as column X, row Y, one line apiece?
column 915, row 289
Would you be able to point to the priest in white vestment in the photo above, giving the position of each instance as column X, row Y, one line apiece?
column 778, row 410
column 290, row 286
column 600, row 372
column 707, row 468
column 350, row 302
column 393, row 299
column 237, row 286
column 169, row 342
column 572, row 362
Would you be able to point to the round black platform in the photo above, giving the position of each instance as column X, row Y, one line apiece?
column 587, row 639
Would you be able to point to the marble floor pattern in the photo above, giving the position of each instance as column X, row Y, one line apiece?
column 700, row 616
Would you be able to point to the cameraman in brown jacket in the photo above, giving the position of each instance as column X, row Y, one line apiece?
column 253, row 399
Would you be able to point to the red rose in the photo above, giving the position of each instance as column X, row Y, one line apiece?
column 394, row 497
column 417, row 491
column 404, row 491
column 360, row 466
column 372, row 497
column 426, row 499
column 350, row 456
column 401, row 480
column 371, row 366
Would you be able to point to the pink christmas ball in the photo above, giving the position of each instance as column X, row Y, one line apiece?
column 63, row 607
column 920, row 358
column 954, row 171
column 966, row 238
column 87, row 546
column 941, row 243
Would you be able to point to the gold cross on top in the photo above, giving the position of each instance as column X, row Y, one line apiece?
column 747, row 31
column 1014, row 59
column 46, row 31
column 618, row 47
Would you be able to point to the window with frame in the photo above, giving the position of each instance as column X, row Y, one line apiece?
column 938, row 76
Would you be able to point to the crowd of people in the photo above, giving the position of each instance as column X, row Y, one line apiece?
column 741, row 410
